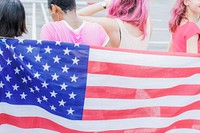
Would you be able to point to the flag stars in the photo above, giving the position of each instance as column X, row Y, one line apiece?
column 56, row 59
column 55, row 77
column 21, row 40
column 1, row 84
column 32, row 90
column 23, row 95
column 70, row 111
column 44, row 84
column 3, row 40
column 72, row 95
column 39, row 41
column 16, row 70
column 7, row 46
column 36, row 75
column 1, row 68
column 8, row 95
column 38, row 58
column 53, row 94
column 29, row 49
column 11, row 47
column 58, row 43
column 46, row 67
column 8, row 61
column 53, row 107
column 75, row 61
column 47, row 50
column 76, row 45
column 1, row 52
column 29, row 65
column 64, row 86
column 21, row 56
column 24, row 80
column 62, row 103
column 21, row 67
column 37, row 89
column 65, row 69
column 15, row 87
column 8, row 78
column 29, row 78
column 74, row 78
column 39, row 100
column 44, row 98
column 14, row 56
column 66, row 51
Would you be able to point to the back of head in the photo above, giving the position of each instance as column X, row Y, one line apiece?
column 177, row 14
column 12, row 18
column 65, row 5
column 132, row 11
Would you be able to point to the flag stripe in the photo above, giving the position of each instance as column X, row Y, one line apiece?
column 179, row 125
column 133, row 93
column 141, row 59
column 138, row 71
column 139, row 83
column 13, row 129
column 101, row 125
column 31, row 122
column 186, row 126
column 121, row 104
column 155, row 111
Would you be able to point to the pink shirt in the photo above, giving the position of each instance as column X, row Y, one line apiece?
column 182, row 34
column 88, row 33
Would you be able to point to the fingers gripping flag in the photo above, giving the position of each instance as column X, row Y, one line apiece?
column 62, row 87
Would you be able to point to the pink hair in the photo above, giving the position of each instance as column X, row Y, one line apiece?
column 132, row 11
column 177, row 14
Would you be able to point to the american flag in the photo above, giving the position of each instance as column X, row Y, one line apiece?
column 71, row 88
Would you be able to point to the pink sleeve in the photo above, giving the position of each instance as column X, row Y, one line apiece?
column 192, row 29
column 46, row 33
column 103, row 36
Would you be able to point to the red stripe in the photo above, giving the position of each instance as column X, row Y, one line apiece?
column 139, row 112
column 34, row 122
column 124, row 93
column 190, row 124
column 139, row 71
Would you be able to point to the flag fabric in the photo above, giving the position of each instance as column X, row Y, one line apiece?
column 71, row 88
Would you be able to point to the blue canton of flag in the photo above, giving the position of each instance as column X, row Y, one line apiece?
column 51, row 76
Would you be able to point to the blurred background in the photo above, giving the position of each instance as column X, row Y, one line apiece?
column 37, row 14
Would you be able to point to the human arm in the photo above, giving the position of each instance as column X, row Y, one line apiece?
column 192, row 44
column 170, row 45
column 94, row 8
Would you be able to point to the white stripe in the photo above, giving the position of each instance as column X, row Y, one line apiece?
column 34, row 22
column 12, row 129
column 183, row 130
column 44, row 13
column 143, row 59
column 119, row 104
column 94, row 125
column 139, row 83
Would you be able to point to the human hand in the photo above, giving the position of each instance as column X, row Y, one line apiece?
column 108, row 3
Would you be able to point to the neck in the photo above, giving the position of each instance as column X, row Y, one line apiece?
column 72, row 19
column 192, row 17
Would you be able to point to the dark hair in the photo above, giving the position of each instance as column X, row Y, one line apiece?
column 12, row 18
column 65, row 5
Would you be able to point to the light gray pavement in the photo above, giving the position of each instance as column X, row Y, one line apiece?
column 37, row 15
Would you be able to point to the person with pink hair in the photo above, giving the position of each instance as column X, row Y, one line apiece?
column 183, row 26
column 127, row 22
